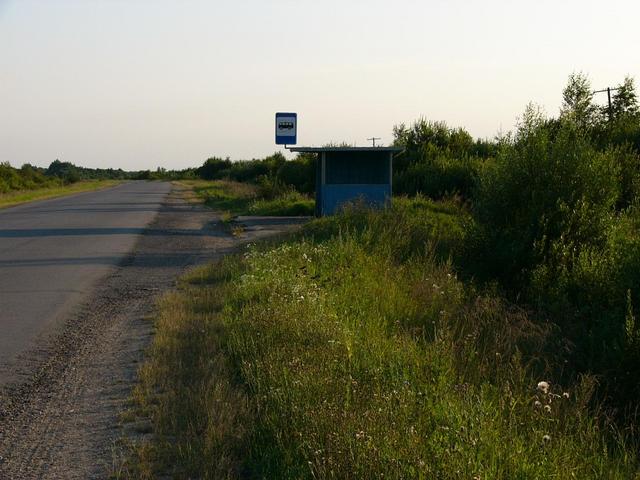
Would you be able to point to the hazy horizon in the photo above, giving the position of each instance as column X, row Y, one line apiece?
column 140, row 84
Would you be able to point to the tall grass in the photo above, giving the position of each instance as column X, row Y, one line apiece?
column 269, row 197
column 289, row 204
column 354, row 351
column 225, row 195
column 188, row 389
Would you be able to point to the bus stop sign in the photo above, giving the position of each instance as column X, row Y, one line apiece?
column 286, row 128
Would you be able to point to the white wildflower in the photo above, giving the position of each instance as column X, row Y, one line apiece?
column 543, row 387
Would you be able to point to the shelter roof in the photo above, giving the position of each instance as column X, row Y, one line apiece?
column 345, row 149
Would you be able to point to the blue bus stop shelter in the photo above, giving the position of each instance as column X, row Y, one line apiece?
column 348, row 174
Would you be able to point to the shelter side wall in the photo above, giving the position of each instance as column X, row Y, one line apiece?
column 319, row 184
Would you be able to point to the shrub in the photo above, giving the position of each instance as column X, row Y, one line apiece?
column 437, row 160
column 270, row 187
column 9, row 178
column 629, row 163
column 425, row 140
column 539, row 191
column 25, row 178
column 299, row 173
column 439, row 178
column 547, row 227
column 593, row 297
column 214, row 168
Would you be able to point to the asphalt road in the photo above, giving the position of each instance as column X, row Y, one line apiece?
column 52, row 254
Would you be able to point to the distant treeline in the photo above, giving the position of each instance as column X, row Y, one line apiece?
column 440, row 161
column 29, row 177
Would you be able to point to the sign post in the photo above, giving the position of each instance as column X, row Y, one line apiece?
column 286, row 128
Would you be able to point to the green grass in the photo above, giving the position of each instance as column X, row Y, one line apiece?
column 188, row 390
column 23, row 196
column 290, row 204
column 245, row 199
column 353, row 351
column 223, row 195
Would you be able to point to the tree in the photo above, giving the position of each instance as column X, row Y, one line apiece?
column 625, row 100
column 577, row 102
column 214, row 168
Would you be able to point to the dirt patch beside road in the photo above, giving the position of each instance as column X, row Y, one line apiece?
column 61, row 420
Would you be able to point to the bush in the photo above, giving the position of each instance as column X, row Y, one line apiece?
column 425, row 140
column 9, row 178
column 439, row 178
column 593, row 297
column 72, row 176
column 438, row 161
column 299, row 173
column 629, row 163
column 214, row 168
column 26, row 178
column 270, row 187
column 548, row 229
column 542, row 190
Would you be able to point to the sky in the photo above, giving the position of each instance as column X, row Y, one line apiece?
column 137, row 84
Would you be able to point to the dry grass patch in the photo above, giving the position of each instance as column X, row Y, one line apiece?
column 187, row 389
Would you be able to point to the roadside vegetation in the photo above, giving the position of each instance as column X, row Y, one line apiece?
column 29, row 183
column 268, row 197
column 22, row 196
column 484, row 326
column 354, row 351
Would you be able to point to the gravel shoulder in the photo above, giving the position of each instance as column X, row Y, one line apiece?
column 61, row 420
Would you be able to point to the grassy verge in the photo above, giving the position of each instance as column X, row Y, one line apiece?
column 24, row 196
column 354, row 351
column 244, row 199
column 227, row 196
column 290, row 204
column 188, row 388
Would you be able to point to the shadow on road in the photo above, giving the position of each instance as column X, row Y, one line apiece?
column 140, row 260
column 69, row 232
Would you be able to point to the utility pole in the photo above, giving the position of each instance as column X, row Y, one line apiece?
column 373, row 139
column 608, row 90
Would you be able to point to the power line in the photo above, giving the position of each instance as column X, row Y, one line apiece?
column 373, row 139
